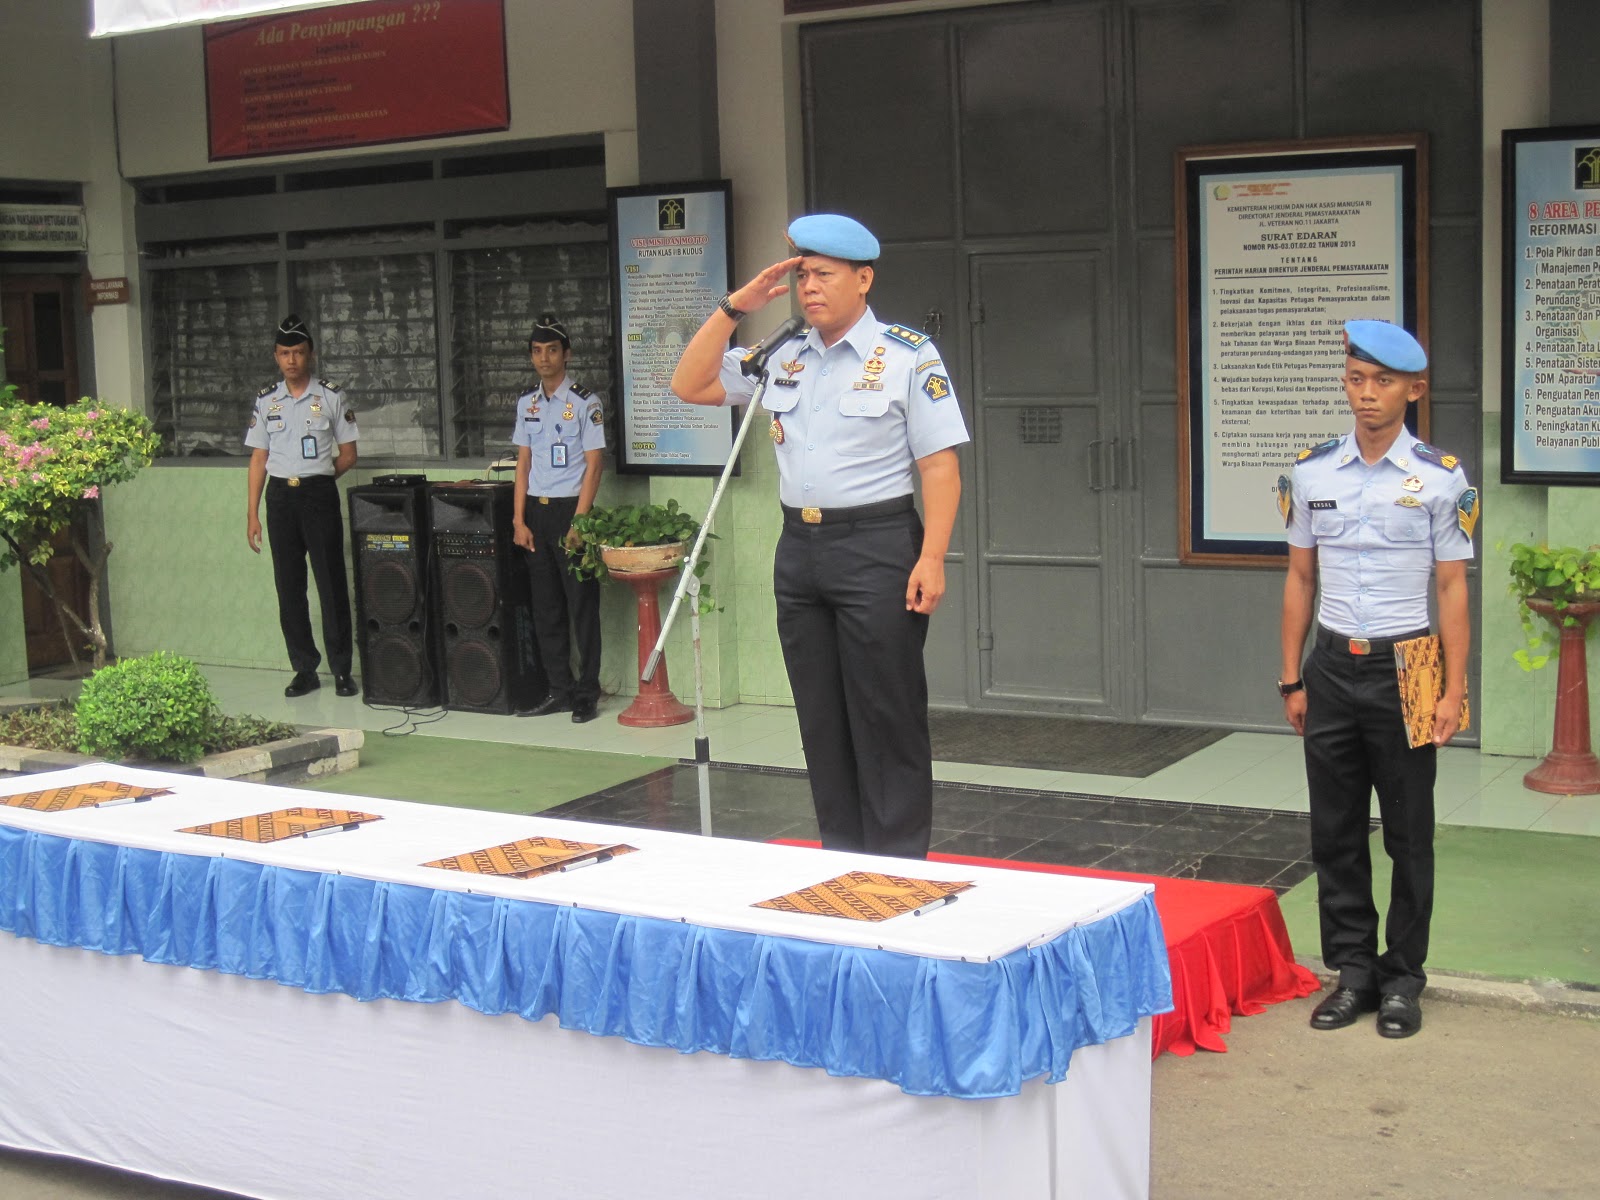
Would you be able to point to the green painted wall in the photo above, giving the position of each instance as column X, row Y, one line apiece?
column 183, row 579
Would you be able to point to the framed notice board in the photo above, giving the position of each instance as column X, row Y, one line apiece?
column 1278, row 245
column 1550, row 323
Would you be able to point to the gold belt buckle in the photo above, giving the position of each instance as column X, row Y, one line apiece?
column 293, row 481
column 1360, row 646
column 811, row 516
column 544, row 499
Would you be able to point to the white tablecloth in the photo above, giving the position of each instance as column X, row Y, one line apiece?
column 273, row 1091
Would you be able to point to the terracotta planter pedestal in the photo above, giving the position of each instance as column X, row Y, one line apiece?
column 655, row 705
column 1570, row 769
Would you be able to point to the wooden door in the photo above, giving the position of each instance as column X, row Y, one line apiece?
column 41, row 358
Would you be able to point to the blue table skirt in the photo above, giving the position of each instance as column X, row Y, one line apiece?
column 931, row 1026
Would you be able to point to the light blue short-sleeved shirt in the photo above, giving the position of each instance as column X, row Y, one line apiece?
column 301, row 435
column 853, row 417
column 1378, row 530
column 557, row 429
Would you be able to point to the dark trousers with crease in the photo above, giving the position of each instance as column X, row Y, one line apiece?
column 854, row 657
column 560, row 598
column 306, row 522
column 1356, row 741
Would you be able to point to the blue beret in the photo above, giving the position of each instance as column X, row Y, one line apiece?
column 834, row 236
column 1385, row 345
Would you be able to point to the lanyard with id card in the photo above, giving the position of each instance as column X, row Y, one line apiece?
column 558, row 454
column 308, row 446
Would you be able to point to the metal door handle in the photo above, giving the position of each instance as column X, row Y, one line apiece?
column 1097, row 482
column 1115, row 473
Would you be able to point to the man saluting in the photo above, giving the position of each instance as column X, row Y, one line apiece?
column 860, row 410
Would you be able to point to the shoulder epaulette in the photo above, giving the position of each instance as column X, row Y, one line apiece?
column 267, row 391
column 329, row 387
column 908, row 337
column 578, row 390
column 1319, row 448
column 1435, row 455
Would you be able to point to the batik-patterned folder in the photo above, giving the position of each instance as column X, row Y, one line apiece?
column 1419, row 663
column 82, row 795
column 866, row 896
column 284, row 823
column 528, row 857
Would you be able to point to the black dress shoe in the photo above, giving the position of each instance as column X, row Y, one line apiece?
column 583, row 713
column 1341, row 1007
column 303, row 682
column 1399, row 1016
column 550, row 704
column 345, row 685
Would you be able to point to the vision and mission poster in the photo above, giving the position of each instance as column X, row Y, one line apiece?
column 1551, row 411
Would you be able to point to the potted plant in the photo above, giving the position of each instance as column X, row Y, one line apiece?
column 1558, row 584
column 634, row 538
column 1547, row 582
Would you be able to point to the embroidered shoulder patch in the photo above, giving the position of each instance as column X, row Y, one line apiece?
column 937, row 387
column 1435, row 455
column 1320, row 448
column 906, row 337
column 596, row 417
column 577, row 389
column 328, row 386
column 1467, row 511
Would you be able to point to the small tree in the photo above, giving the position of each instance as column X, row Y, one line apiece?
column 53, row 464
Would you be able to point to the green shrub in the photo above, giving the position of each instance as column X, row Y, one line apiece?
column 158, row 708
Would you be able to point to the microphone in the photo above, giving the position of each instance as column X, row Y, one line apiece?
column 754, row 362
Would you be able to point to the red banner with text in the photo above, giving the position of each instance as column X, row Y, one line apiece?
column 356, row 75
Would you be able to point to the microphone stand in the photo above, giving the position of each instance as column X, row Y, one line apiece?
column 689, row 585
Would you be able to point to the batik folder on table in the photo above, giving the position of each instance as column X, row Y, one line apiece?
column 421, row 1032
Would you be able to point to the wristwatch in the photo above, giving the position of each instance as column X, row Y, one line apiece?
column 1289, row 689
column 726, row 305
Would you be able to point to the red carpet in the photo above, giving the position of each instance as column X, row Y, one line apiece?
column 1227, row 945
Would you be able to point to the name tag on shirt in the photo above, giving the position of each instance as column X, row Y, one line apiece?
column 308, row 446
column 558, row 454
column 787, row 382
column 1323, row 504
column 275, row 424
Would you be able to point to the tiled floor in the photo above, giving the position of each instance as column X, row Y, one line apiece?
column 1151, row 837
column 1262, row 772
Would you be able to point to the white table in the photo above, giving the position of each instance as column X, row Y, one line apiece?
column 273, row 1090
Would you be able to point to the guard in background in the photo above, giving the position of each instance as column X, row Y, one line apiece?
column 301, row 439
column 1374, row 513
column 860, row 409
column 561, row 438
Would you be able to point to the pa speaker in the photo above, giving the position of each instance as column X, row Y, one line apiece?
column 389, row 540
column 485, row 617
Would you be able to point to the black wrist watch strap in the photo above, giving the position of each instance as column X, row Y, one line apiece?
column 1289, row 689
column 726, row 305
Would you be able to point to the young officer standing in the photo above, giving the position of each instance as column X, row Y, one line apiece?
column 301, row 439
column 1373, row 513
column 560, row 437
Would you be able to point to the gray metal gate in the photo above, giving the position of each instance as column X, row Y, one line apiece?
column 1016, row 162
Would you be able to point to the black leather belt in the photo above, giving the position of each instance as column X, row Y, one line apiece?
column 295, row 481
column 553, row 499
column 859, row 512
column 1343, row 643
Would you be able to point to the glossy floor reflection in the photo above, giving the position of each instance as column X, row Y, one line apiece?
column 1152, row 837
